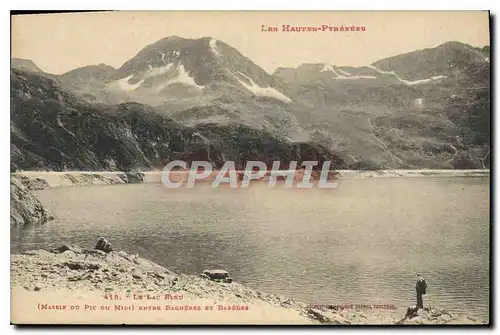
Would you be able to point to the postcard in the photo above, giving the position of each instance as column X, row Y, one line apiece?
column 250, row 168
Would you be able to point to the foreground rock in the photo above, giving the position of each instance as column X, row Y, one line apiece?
column 103, row 245
column 32, row 184
column 433, row 315
column 217, row 275
column 76, row 269
column 25, row 208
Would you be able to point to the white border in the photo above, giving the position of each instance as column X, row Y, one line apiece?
column 255, row 5
column 191, row 5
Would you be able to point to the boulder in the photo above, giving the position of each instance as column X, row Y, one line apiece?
column 103, row 245
column 25, row 208
column 137, row 274
column 217, row 275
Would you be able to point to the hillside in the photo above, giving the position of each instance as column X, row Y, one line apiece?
column 52, row 129
column 426, row 109
column 443, row 60
column 24, row 65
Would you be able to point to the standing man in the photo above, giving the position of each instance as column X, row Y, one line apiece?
column 421, row 288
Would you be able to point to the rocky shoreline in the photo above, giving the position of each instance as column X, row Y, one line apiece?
column 421, row 173
column 38, row 180
column 27, row 209
column 84, row 178
column 73, row 270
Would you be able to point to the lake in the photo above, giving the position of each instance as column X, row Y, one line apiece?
column 361, row 243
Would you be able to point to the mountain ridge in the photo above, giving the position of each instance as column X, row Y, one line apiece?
column 350, row 110
column 485, row 49
column 52, row 129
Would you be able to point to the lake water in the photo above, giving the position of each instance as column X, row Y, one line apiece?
column 361, row 243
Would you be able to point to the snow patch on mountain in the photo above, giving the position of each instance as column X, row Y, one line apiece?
column 421, row 81
column 262, row 91
column 339, row 76
column 157, row 71
column 344, row 75
column 182, row 77
column 357, row 77
column 213, row 46
column 343, row 72
column 407, row 82
column 60, row 124
column 327, row 67
column 383, row 72
column 125, row 85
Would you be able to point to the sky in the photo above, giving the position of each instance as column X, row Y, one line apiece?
column 58, row 43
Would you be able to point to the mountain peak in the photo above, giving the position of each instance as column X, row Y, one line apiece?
column 175, row 66
column 177, row 40
column 455, row 45
column 105, row 66
column 172, row 38
column 24, row 65
column 170, row 51
column 430, row 62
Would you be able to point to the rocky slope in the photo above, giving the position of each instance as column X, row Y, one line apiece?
column 52, row 129
column 443, row 60
column 425, row 109
column 418, row 67
column 85, row 80
column 25, row 208
column 40, row 180
column 176, row 70
column 41, row 274
column 24, row 65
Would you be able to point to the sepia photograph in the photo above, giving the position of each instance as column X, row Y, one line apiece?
column 250, row 168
